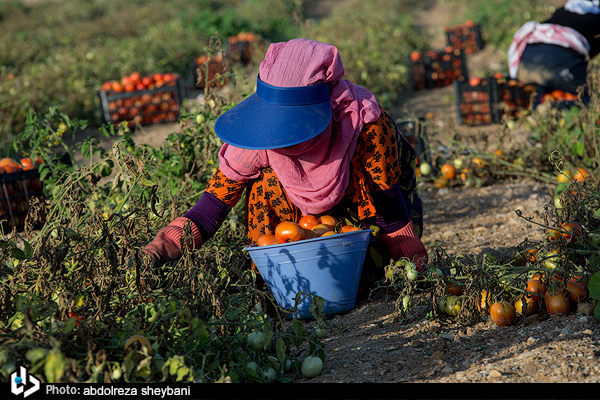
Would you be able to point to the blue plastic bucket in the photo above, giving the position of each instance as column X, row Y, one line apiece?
column 328, row 267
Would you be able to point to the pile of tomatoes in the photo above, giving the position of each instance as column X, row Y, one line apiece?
column 435, row 69
column 308, row 227
column 466, row 37
column 15, row 193
column 143, row 100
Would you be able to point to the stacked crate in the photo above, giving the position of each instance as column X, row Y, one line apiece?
column 16, row 189
column 437, row 68
column 215, row 64
column 485, row 101
column 465, row 37
column 160, row 101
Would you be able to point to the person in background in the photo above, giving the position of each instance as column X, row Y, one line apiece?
column 308, row 142
column 555, row 54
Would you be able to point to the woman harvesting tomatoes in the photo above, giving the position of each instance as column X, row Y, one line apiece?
column 308, row 142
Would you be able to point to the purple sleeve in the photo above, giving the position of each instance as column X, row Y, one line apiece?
column 391, row 214
column 208, row 214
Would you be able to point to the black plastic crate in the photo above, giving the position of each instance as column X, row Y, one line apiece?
column 512, row 96
column 16, row 189
column 466, row 37
column 414, row 132
column 216, row 65
column 145, row 107
column 476, row 104
column 437, row 68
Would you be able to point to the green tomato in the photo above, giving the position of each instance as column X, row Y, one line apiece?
column 595, row 238
column 256, row 339
column 252, row 366
column 287, row 365
column 452, row 306
column 321, row 332
column 552, row 260
column 200, row 118
column 269, row 375
column 425, row 168
column 311, row 366
column 411, row 274
column 458, row 163
column 442, row 304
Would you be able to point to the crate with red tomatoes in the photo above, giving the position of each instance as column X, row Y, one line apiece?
column 466, row 37
column 437, row 68
column 19, row 182
column 245, row 47
column 214, row 67
column 143, row 100
column 475, row 102
column 483, row 101
column 511, row 95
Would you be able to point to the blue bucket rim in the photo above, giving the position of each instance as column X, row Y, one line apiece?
column 254, row 246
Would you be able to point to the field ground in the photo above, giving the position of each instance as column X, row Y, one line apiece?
column 372, row 343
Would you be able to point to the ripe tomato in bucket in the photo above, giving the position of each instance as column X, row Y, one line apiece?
column 329, row 267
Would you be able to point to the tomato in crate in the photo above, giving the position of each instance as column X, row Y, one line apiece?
column 475, row 103
column 16, row 190
column 437, row 68
column 216, row 65
column 465, row 37
column 158, row 100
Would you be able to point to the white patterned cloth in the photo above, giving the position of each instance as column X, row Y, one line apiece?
column 535, row 32
column 583, row 7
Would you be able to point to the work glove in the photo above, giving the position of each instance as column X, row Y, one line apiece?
column 404, row 243
column 165, row 247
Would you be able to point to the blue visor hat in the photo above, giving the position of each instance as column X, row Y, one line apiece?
column 275, row 117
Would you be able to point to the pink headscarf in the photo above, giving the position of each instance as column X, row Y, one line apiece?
column 314, row 173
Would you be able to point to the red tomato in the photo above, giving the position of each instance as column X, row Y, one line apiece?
column 531, row 307
column 106, row 86
column 116, row 86
column 535, row 288
column 309, row 234
column 503, row 313
column 557, row 304
column 266, row 240
column 135, row 77
column 576, row 292
column 320, row 229
column 328, row 220
column 288, row 232
column 573, row 230
column 454, row 288
column 308, row 221
column 349, row 228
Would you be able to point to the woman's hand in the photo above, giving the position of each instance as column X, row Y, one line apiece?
column 165, row 247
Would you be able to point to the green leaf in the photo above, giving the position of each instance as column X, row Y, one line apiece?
column 594, row 286
column 69, row 325
column 146, row 183
column 18, row 253
column 579, row 148
column 54, row 366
